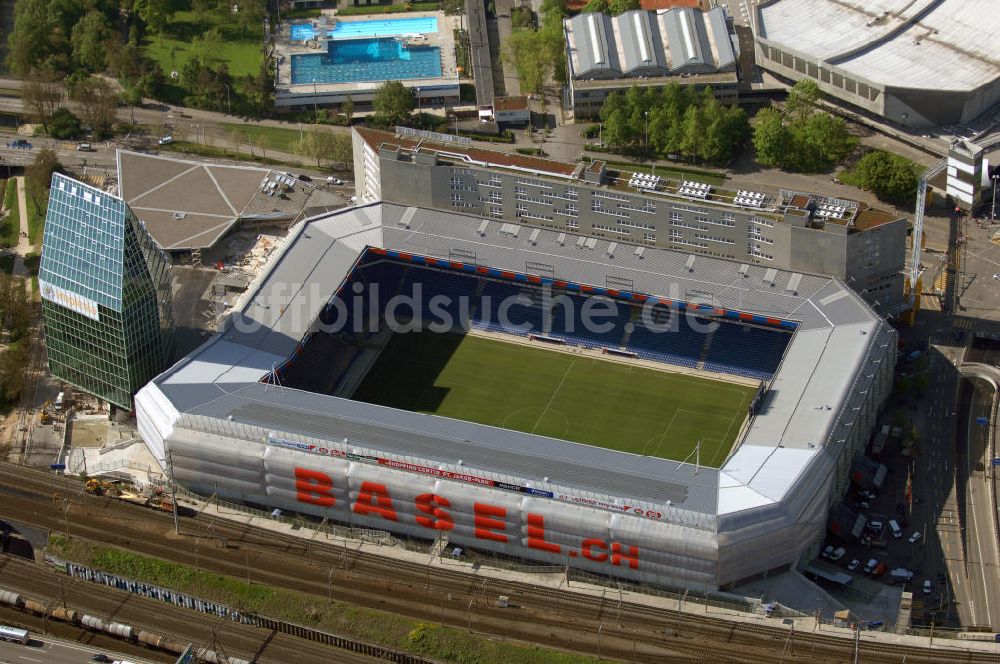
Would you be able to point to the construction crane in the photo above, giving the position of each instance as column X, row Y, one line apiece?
column 918, row 229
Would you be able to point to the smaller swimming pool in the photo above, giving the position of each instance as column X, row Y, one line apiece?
column 414, row 25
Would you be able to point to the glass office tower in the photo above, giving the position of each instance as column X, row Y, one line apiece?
column 106, row 297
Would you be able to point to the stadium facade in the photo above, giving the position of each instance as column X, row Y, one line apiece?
column 797, row 231
column 917, row 64
column 106, row 298
column 230, row 425
column 648, row 49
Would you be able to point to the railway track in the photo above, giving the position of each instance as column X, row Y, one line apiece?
column 548, row 616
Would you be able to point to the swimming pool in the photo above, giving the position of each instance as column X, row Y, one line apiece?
column 415, row 25
column 377, row 59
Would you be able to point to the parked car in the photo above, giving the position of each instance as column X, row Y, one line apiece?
column 868, row 495
column 85, row 147
column 100, row 657
column 875, row 527
column 928, row 588
column 827, row 552
column 838, row 553
column 332, row 180
column 166, row 140
column 871, row 565
column 304, row 178
column 853, row 565
column 942, row 577
column 915, row 537
column 862, row 505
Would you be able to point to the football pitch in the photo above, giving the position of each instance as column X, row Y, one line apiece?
column 550, row 393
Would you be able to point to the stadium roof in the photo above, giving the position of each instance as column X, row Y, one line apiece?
column 642, row 43
column 927, row 44
column 809, row 398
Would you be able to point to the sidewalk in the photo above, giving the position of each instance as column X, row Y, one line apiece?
column 23, row 245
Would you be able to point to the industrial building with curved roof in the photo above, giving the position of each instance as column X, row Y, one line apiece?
column 915, row 62
column 648, row 49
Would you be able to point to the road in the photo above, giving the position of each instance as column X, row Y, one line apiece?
column 977, row 585
column 544, row 615
column 55, row 651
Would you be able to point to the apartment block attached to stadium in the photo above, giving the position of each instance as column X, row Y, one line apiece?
column 916, row 63
column 106, row 298
column 796, row 231
column 650, row 50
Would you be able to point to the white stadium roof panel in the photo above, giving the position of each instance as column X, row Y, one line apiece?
column 952, row 45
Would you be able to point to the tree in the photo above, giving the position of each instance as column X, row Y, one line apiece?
column 826, row 136
column 618, row 132
column 341, row 150
column 64, row 124
column 890, row 176
column 89, row 39
column 236, row 136
column 42, row 95
column 620, row 6
column 693, row 132
column 99, row 102
column 39, row 176
column 40, row 35
column 802, row 99
column 347, row 108
column 596, row 6
column 154, row 13
column 771, row 138
column 393, row 104
column 316, row 143
column 527, row 51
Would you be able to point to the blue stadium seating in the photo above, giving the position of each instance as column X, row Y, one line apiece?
column 733, row 348
column 746, row 351
column 679, row 344
column 572, row 329
column 522, row 318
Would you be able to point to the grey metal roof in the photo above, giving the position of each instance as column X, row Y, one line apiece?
column 838, row 335
column 643, row 43
column 639, row 46
column 371, row 428
column 590, row 50
column 943, row 45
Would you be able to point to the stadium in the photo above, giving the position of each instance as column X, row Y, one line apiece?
column 673, row 419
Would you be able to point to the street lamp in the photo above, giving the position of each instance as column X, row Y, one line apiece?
column 229, row 105
column 645, row 115
column 993, row 208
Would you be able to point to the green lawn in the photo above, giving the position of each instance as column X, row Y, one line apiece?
column 549, row 393
column 10, row 226
column 36, row 221
column 243, row 54
column 278, row 138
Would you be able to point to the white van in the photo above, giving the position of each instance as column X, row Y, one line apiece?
column 897, row 532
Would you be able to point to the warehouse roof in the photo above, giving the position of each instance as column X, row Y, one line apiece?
column 927, row 44
column 643, row 43
column 813, row 389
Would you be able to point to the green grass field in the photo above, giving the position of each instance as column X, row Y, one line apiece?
column 242, row 53
column 550, row 393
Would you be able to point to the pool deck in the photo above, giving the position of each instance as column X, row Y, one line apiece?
column 285, row 48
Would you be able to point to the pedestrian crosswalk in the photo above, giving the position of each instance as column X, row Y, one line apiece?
column 963, row 323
